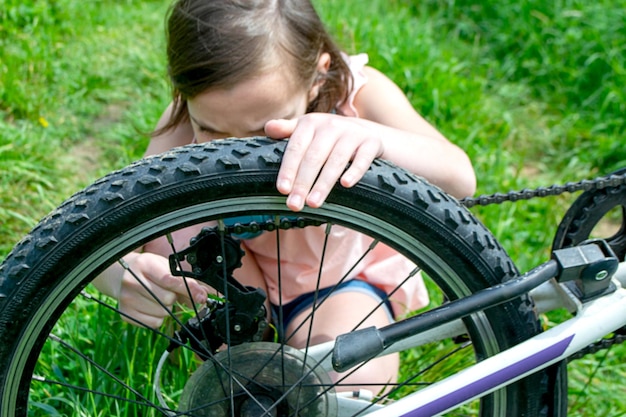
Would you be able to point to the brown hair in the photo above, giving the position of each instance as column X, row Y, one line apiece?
column 219, row 43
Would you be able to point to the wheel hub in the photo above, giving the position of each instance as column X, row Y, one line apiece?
column 259, row 379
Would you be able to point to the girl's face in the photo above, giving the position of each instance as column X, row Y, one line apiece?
column 243, row 110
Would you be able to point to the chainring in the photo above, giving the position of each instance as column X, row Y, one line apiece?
column 589, row 209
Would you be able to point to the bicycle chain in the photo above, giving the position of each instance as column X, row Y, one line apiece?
column 618, row 337
column 599, row 183
column 269, row 225
column 553, row 190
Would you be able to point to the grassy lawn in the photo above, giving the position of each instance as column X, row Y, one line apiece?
column 534, row 91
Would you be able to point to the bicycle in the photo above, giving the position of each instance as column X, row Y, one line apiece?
column 485, row 348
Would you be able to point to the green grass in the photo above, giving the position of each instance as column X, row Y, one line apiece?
column 534, row 91
column 124, row 349
column 80, row 85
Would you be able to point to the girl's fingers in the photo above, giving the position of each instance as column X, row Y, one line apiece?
column 331, row 171
column 319, row 149
column 147, row 320
column 280, row 129
column 295, row 152
column 151, row 287
column 183, row 287
column 361, row 162
column 317, row 166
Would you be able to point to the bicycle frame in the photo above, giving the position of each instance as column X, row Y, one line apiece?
column 592, row 320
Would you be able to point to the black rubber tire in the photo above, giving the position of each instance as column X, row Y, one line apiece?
column 56, row 261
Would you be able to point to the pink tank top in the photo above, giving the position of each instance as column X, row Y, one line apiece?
column 356, row 63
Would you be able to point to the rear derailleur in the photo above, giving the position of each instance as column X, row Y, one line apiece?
column 239, row 315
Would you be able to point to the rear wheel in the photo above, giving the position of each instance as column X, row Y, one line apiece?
column 66, row 350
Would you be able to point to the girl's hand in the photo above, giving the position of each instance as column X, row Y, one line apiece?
column 320, row 147
column 153, row 271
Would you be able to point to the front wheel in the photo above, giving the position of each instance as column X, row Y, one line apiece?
column 66, row 351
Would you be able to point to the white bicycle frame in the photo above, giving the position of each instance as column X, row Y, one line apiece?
column 592, row 320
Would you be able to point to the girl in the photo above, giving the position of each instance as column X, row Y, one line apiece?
column 268, row 67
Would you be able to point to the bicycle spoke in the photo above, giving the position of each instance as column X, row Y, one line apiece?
column 90, row 391
column 235, row 385
column 104, row 370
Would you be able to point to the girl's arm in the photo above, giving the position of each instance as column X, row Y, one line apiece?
column 410, row 141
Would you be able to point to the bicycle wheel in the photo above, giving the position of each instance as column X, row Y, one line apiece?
column 65, row 350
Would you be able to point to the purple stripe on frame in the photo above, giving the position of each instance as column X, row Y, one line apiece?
column 491, row 381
